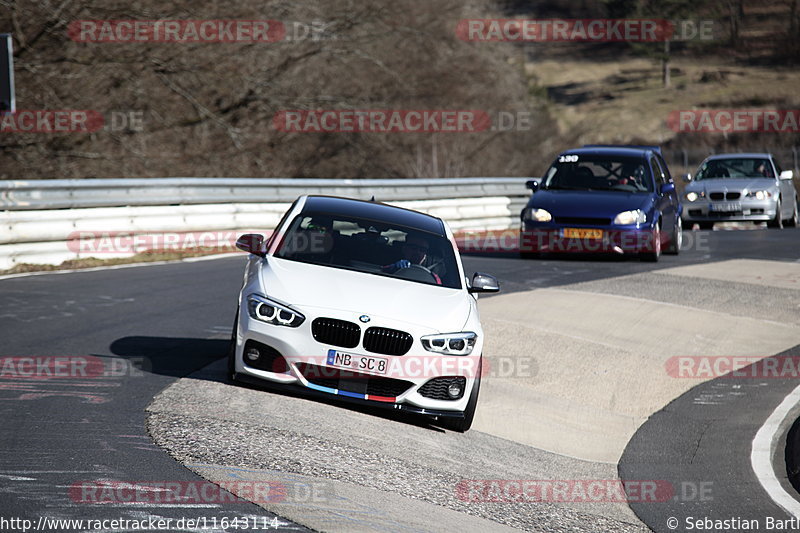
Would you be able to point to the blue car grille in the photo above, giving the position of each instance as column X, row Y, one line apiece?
column 583, row 221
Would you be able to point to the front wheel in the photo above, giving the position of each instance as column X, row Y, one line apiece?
column 776, row 222
column 232, row 349
column 463, row 424
column 676, row 241
column 653, row 255
column 793, row 222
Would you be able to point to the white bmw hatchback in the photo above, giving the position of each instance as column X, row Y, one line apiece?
column 364, row 301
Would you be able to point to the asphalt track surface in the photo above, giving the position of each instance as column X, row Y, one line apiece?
column 152, row 325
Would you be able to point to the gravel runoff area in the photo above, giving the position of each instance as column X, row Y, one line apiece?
column 367, row 471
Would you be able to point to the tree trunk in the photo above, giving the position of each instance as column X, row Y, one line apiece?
column 736, row 13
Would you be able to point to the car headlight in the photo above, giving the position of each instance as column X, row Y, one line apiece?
column 450, row 343
column 539, row 215
column 271, row 312
column 626, row 218
column 694, row 196
column 759, row 195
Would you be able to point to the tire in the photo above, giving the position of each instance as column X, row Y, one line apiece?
column 777, row 222
column 676, row 240
column 232, row 350
column 794, row 221
column 653, row 256
column 706, row 225
column 462, row 425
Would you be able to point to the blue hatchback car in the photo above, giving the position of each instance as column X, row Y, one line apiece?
column 604, row 199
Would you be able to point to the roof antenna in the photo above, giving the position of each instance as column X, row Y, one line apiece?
column 372, row 199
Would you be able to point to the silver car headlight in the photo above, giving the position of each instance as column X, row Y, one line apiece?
column 759, row 195
column 265, row 310
column 539, row 215
column 450, row 343
column 626, row 218
column 694, row 196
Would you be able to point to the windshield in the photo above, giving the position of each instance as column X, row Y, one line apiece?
column 371, row 246
column 741, row 167
column 598, row 173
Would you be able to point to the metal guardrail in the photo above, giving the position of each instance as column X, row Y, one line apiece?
column 72, row 194
column 40, row 220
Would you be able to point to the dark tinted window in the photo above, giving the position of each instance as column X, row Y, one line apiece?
column 370, row 246
column 735, row 167
column 599, row 173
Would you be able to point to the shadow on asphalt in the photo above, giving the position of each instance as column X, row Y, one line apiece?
column 179, row 357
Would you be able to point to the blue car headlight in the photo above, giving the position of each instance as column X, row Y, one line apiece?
column 538, row 215
column 626, row 218
column 265, row 310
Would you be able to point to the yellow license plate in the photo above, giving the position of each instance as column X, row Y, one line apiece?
column 579, row 233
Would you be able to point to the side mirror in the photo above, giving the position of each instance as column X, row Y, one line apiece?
column 787, row 174
column 533, row 185
column 687, row 177
column 667, row 188
column 251, row 243
column 483, row 283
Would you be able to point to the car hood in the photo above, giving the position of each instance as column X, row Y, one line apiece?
column 731, row 184
column 600, row 204
column 386, row 300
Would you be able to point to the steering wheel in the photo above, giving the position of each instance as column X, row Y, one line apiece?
column 416, row 272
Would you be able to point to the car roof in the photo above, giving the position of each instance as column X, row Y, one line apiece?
column 376, row 211
column 763, row 155
column 614, row 150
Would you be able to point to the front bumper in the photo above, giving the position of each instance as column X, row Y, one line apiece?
column 299, row 362
column 738, row 210
column 552, row 239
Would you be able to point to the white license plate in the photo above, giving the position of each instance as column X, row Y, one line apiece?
column 726, row 207
column 357, row 363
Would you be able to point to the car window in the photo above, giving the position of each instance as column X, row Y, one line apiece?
column 598, row 173
column 370, row 246
column 777, row 166
column 735, row 167
column 658, row 174
column 664, row 168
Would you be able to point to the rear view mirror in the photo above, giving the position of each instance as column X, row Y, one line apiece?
column 787, row 174
column 533, row 185
column 687, row 177
column 251, row 243
column 484, row 283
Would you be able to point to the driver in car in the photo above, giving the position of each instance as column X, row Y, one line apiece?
column 414, row 252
